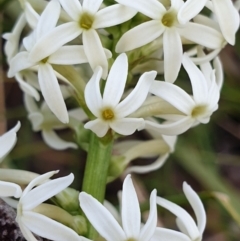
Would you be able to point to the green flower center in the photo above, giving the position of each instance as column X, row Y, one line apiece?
column 169, row 19
column 44, row 60
column 86, row 21
column 108, row 114
column 198, row 110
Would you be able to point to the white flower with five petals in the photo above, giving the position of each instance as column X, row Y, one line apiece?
column 109, row 112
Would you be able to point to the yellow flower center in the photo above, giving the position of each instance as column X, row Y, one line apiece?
column 44, row 60
column 108, row 114
column 169, row 19
column 198, row 110
column 86, row 21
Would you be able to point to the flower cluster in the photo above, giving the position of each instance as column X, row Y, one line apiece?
column 118, row 63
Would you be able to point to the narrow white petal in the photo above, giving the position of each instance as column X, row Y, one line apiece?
column 151, row 8
column 101, row 218
column 190, row 9
column 73, row 8
column 173, row 128
column 54, row 141
column 151, row 224
column 92, row 93
column 174, row 95
column 51, row 92
column 127, row 126
column 202, row 35
column 197, row 206
column 94, row 51
column 31, row 15
column 113, row 15
column 198, row 81
column 45, row 191
column 167, row 234
column 20, row 62
column 36, row 120
column 52, row 41
column 219, row 72
column 48, row 228
column 228, row 18
column 29, row 41
column 140, row 35
column 8, row 189
column 136, row 98
column 130, row 212
column 206, row 67
column 97, row 126
column 25, row 231
column 27, row 88
column 181, row 214
column 91, row 6
column 68, row 55
column 116, row 81
column 8, row 140
column 48, row 19
column 172, row 47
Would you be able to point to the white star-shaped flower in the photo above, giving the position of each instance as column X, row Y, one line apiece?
column 187, row 225
column 86, row 19
column 110, row 112
column 8, row 140
column 131, row 229
column 226, row 13
column 164, row 22
column 191, row 110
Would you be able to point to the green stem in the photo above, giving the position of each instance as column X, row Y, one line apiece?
column 96, row 170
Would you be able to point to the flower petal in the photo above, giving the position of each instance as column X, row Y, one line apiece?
column 139, row 36
column 116, row 81
column 151, row 8
column 91, row 6
column 130, row 212
column 174, row 95
column 54, row 141
column 186, row 219
column 113, row 15
column 97, row 126
column 25, row 231
column 73, row 8
column 94, row 51
column 219, row 72
column 151, row 224
column 172, row 47
column 45, row 191
column 48, row 228
column 197, row 206
column 52, row 41
column 31, row 15
column 190, row 9
column 92, row 93
column 101, row 218
column 52, row 92
column 8, row 189
column 136, row 98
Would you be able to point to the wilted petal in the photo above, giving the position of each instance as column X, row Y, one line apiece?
column 45, row 191
column 97, row 126
column 140, row 35
column 8, row 189
column 172, row 47
column 48, row 228
column 101, row 218
column 55, row 142
column 116, row 81
column 113, row 15
column 51, row 92
column 151, row 8
column 131, row 218
column 136, row 98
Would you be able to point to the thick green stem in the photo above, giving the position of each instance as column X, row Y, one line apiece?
column 96, row 170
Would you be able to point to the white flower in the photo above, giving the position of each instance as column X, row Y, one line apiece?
column 8, row 140
column 131, row 229
column 164, row 22
column 185, row 222
column 30, row 221
column 227, row 15
column 191, row 110
column 109, row 112
column 43, row 120
column 86, row 19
